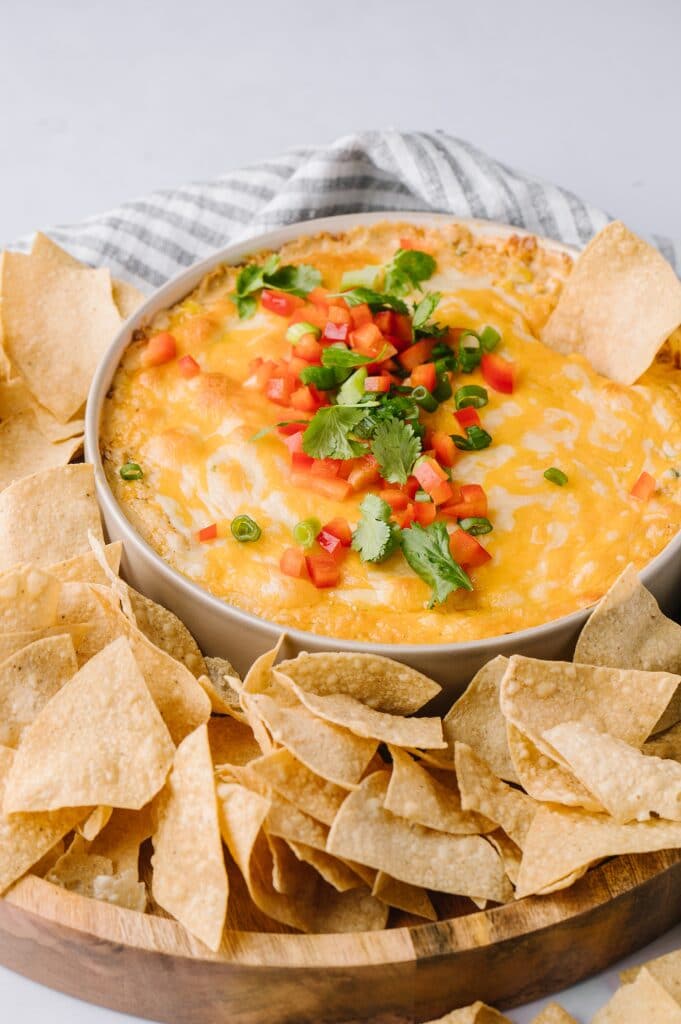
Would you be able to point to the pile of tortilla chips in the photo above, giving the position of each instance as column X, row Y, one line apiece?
column 317, row 789
column 57, row 318
column 650, row 994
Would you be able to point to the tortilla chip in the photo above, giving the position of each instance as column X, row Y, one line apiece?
column 121, row 838
column 362, row 720
column 483, row 792
column 316, row 906
column 553, row 1014
column 222, row 685
column 476, row 719
column 99, row 740
column 410, row 898
column 561, row 841
column 665, row 744
column 478, row 1013
column 366, row 832
column 86, row 568
column 98, row 820
column 618, row 306
column 286, row 821
column 334, row 871
column 510, row 853
column 128, row 299
column 57, row 322
column 416, row 794
column 28, row 599
column 91, row 875
column 164, row 630
column 14, row 641
column 543, row 779
column 327, row 750
column 629, row 784
column 26, row 838
column 378, row 682
column 627, row 630
column 665, row 969
column 190, row 879
column 536, row 695
column 231, row 741
column 16, row 398
column 643, row 1000
column 29, row 679
column 290, row 778
column 25, row 449
column 45, row 518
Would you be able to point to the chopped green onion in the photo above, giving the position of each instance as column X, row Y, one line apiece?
column 476, row 525
column 299, row 330
column 470, row 351
column 471, row 395
column 305, row 532
column 131, row 471
column 555, row 476
column 444, row 363
column 476, row 439
column 245, row 529
column 352, row 391
column 366, row 277
column 424, row 398
column 422, row 496
column 489, row 338
column 323, row 377
column 443, row 387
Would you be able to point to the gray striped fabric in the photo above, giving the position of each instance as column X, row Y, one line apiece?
column 149, row 240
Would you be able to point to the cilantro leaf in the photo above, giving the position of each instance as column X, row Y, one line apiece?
column 344, row 359
column 245, row 305
column 425, row 309
column 427, row 552
column 250, row 279
column 407, row 269
column 327, row 436
column 377, row 300
column 375, row 536
column 396, row 448
column 298, row 280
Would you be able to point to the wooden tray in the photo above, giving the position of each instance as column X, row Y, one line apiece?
column 151, row 967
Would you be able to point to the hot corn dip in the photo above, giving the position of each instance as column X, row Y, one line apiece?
column 424, row 484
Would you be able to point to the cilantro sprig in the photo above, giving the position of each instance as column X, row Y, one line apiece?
column 329, row 434
column 296, row 279
column 375, row 537
column 396, row 448
column 407, row 270
column 376, row 300
column 427, row 551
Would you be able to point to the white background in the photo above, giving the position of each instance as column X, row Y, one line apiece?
column 102, row 102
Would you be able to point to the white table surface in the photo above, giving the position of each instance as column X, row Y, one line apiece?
column 101, row 102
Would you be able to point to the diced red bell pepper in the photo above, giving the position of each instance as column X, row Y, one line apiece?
column 340, row 527
column 263, row 373
column 188, row 366
column 323, row 569
column 288, row 429
column 424, row 375
column 402, row 328
column 360, row 315
column 338, row 314
column 281, row 303
column 412, row 486
column 294, row 440
column 445, row 450
column 367, row 340
column 443, row 493
column 467, row 417
column 644, row 487
column 466, row 550
column 498, row 372
column 308, row 348
column 429, row 474
column 280, row 389
column 384, row 321
column 330, row 543
column 335, row 332
column 378, row 384
column 301, row 461
column 160, row 348
column 292, row 563
column 364, row 473
column 309, row 313
column 472, row 502
column 208, row 533
column 325, row 467
column 330, row 487
column 416, row 354
column 319, row 297
column 425, row 512
column 296, row 364
column 397, row 499
column 303, row 398
column 405, row 517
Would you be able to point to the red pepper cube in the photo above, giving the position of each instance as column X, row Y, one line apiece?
column 303, row 398
column 416, row 354
column 338, row 314
column 402, row 328
column 292, row 563
column 364, row 473
column 280, row 303
column 425, row 376
column 644, row 487
column 323, row 569
column 325, row 467
column 429, row 474
column 280, row 389
column 466, row 550
column 377, row 385
column 498, row 373
column 208, row 533
column 309, row 349
column 320, row 297
column 467, row 417
column 340, row 527
column 405, row 517
column 384, row 321
column 360, row 315
column 367, row 340
column 160, row 348
column 330, row 543
column 188, row 367
column 335, row 332
column 394, row 497
column 442, row 493
column 425, row 512
column 445, row 450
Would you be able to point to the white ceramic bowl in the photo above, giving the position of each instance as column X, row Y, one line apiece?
column 222, row 629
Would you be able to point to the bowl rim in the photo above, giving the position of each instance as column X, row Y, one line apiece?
column 179, row 286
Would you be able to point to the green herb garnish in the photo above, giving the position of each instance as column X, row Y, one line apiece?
column 475, row 440
column 329, row 430
column 471, row 395
column 555, row 476
column 476, row 525
column 305, row 532
column 375, row 537
column 376, row 300
column 426, row 549
column 396, row 448
column 407, row 269
column 297, row 280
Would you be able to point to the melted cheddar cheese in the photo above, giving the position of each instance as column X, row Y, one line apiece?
column 554, row 549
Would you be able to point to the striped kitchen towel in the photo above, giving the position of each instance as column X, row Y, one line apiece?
column 149, row 240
